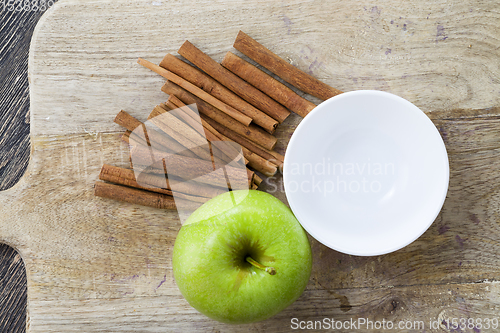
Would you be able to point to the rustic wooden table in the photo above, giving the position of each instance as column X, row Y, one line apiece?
column 441, row 56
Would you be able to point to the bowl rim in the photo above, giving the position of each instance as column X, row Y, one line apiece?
column 306, row 121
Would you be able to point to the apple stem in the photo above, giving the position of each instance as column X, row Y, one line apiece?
column 270, row 270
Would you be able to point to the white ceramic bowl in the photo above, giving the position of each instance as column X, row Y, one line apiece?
column 366, row 173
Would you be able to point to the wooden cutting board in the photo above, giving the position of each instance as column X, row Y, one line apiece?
column 99, row 265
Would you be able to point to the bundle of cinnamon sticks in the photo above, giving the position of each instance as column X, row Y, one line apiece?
column 233, row 102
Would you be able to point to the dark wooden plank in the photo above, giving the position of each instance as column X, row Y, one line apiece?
column 15, row 32
column 13, row 291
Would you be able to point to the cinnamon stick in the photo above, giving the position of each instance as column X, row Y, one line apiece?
column 219, row 137
column 266, row 83
column 126, row 138
column 180, row 132
column 124, row 119
column 272, row 157
column 190, row 113
column 243, row 89
column 139, row 197
column 177, row 102
column 255, row 161
column 291, row 74
column 277, row 156
column 198, row 170
column 258, row 163
column 186, row 133
column 229, row 110
column 252, row 132
column 257, row 180
column 189, row 117
column 164, row 106
column 160, row 184
column 168, row 106
column 187, row 141
column 152, row 137
column 217, row 90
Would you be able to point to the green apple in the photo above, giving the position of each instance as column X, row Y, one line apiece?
column 242, row 257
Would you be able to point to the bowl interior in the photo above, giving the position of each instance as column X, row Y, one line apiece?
column 366, row 172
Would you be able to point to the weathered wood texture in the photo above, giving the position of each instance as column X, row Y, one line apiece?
column 15, row 32
column 100, row 265
column 13, row 294
column 16, row 28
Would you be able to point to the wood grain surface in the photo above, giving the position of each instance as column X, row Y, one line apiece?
column 99, row 265
column 16, row 29
column 13, row 292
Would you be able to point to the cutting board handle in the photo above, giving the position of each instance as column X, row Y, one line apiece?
column 13, row 228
